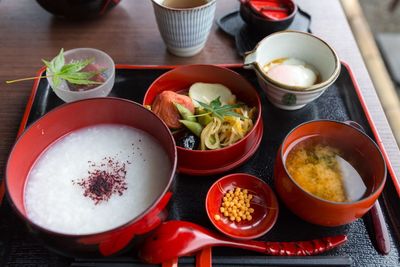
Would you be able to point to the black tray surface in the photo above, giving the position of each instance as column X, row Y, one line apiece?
column 339, row 102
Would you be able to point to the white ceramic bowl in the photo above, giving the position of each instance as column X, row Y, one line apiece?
column 301, row 45
column 101, row 59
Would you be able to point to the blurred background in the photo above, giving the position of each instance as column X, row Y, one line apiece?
column 376, row 27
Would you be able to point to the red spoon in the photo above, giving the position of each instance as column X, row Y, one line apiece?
column 178, row 238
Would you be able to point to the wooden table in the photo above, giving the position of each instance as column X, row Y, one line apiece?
column 129, row 34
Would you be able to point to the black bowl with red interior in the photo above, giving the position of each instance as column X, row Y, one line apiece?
column 262, row 21
column 78, row 9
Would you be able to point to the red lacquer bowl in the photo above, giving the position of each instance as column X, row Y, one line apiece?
column 197, row 162
column 262, row 24
column 61, row 121
column 264, row 203
column 320, row 211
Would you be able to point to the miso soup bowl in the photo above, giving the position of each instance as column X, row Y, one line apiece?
column 207, row 162
column 317, row 210
column 293, row 44
column 61, row 121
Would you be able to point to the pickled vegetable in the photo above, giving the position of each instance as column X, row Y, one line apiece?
column 164, row 107
column 207, row 92
column 194, row 127
column 185, row 113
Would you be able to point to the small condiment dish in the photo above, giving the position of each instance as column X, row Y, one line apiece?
column 264, row 203
column 294, row 44
column 351, row 141
column 264, row 25
column 102, row 60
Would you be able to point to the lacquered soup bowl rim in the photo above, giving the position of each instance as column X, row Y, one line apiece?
column 117, row 228
column 370, row 196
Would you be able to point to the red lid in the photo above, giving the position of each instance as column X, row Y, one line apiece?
column 272, row 9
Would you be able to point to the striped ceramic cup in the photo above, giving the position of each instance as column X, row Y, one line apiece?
column 184, row 25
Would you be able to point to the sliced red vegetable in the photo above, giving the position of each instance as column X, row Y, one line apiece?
column 164, row 107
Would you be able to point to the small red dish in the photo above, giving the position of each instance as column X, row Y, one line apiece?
column 264, row 203
column 208, row 162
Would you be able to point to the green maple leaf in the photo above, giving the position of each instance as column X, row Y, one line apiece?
column 218, row 110
column 70, row 72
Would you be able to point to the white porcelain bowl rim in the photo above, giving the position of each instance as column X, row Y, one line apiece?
column 158, row 2
column 315, row 87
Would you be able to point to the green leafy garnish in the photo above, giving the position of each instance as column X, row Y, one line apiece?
column 218, row 110
column 70, row 72
column 57, row 70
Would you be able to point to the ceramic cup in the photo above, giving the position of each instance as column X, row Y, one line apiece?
column 294, row 44
column 184, row 29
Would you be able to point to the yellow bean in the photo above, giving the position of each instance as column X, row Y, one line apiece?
column 238, row 219
column 245, row 191
column 249, row 217
column 251, row 210
column 232, row 218
column 222, row 209
column 217, row 217
column 226, row 213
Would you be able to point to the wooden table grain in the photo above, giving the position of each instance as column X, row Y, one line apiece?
column 129, row 34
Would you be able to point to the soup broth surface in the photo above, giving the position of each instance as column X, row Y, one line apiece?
column 95, row 179
column 324, row 170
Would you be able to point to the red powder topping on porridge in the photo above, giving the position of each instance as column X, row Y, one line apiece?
column 106, row 179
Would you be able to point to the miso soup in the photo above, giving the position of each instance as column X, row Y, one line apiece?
column 327, row 170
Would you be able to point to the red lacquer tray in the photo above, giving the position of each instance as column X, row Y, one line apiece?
column 342, row 101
